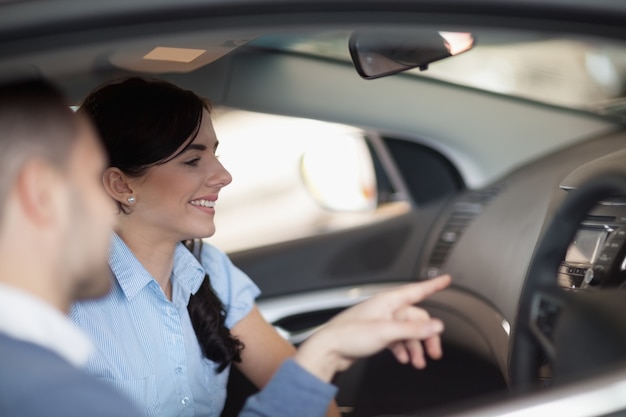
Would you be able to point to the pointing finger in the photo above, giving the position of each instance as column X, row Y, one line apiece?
column 413, row 293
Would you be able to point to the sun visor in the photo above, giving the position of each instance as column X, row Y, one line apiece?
column 174, row 56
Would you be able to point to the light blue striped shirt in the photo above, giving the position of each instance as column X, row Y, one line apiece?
column 145, row 344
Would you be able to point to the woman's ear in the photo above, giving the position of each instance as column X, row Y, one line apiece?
column 118, row 186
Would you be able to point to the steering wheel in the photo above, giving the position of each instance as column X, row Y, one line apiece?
column 552, row 321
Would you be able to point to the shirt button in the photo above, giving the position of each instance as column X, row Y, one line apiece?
column 179, row 370
column 184, row 401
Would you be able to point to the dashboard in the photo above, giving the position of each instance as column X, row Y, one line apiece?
column 486, row 239
column 596, row 255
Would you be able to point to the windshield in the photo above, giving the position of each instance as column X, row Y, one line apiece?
column 562, row 72
column 584, row 74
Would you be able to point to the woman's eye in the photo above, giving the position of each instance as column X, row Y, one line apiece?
column 193, row 162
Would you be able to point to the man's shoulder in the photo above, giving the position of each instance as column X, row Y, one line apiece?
column 15, row 354
column 24, row 359
column 37, row 381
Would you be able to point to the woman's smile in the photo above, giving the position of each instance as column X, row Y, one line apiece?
column 206, row 204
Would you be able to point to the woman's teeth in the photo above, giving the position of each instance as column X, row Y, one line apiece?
column 203, row 203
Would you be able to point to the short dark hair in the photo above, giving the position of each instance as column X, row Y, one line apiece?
column 35, row 121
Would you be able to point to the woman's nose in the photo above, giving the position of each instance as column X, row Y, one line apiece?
column 220, row 175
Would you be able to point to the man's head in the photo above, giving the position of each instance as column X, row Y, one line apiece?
column 55, row 217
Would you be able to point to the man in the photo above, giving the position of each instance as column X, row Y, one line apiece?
column 55, row 220
column 55, row 225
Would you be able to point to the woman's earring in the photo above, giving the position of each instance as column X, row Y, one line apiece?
column 131, row 199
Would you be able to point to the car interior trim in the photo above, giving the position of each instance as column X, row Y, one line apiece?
column 600, row 395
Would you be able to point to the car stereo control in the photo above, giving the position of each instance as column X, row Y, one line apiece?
column 593, row 276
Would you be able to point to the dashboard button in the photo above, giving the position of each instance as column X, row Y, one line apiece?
column 594, row 276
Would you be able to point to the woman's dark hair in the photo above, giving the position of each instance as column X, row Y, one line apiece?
column 219, row 345
column 142, row 123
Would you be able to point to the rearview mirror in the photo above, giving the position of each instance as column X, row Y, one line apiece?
column 379, row 53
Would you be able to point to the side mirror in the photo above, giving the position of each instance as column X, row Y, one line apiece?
column 380, row 53
column 339, row 174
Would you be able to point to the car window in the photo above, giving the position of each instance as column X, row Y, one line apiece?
column 295, row 178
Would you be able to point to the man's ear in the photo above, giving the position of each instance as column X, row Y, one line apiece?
column 40, row 188
column 116, row 183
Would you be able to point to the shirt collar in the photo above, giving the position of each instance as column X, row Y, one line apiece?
column 188, row 273
column 133, row 277
column 128, row 271
column 26, row 317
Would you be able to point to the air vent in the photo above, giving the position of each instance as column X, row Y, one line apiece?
column 463, row 213
column 590, row 218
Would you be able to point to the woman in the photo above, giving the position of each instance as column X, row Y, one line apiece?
column 179, row 314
